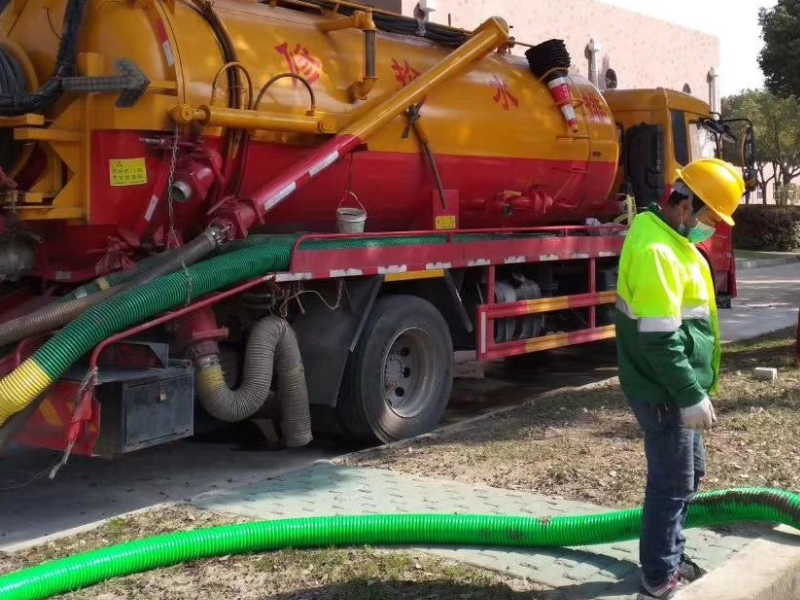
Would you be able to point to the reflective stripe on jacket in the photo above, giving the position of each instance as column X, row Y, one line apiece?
column 667, row 323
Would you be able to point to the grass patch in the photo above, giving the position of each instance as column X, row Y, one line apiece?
column 353, row 574
column 586, row 445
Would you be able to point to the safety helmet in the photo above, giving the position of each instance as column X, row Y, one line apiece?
column 717, row 183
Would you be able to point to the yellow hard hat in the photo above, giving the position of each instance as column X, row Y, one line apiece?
column 717, row 183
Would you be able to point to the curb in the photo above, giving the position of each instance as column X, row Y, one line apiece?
column 52, row 537
column 760, row 263
column 345, row 459
column 766, row 569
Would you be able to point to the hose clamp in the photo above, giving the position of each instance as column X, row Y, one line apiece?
column 207, row 361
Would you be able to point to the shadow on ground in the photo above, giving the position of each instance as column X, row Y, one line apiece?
column 362, row 589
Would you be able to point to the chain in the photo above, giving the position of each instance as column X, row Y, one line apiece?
column 170, row 205
column 173, row 236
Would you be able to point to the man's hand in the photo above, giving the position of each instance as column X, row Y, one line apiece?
column 699, row 416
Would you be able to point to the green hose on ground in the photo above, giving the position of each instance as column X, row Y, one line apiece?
column 707, row 509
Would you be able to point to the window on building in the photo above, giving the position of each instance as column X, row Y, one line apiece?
column 680, row 140
column 687, row 89
column 611, row 79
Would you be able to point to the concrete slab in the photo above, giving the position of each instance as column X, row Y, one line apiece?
column 606, row 571
column 766, row 569
column 768, row 300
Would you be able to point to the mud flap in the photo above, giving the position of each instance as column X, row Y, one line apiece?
column 326, row 338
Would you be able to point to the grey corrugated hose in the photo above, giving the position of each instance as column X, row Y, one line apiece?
column 272, row 344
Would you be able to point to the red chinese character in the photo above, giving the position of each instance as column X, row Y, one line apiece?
column 504, row 97
column 301, row 62
column 404, row 73
column 594, row 106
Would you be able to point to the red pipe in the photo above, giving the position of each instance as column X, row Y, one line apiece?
column 210, row 301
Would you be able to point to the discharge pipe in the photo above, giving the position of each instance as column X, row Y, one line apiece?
column 272, row 344
column 67, row 574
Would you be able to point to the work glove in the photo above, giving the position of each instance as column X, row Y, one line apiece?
column 699, row 416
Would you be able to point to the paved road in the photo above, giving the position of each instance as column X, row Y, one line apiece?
column 768, row 301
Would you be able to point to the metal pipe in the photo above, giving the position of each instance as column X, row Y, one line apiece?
column 359, row 20
column 214, row 116
column 360, row 89
column 491, row 34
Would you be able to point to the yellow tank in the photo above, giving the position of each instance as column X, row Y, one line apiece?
column 499, row 139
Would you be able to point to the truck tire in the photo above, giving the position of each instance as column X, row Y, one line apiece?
column 399, row 379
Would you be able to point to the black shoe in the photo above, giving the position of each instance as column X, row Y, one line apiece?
column 662, row 592
column 690, row 570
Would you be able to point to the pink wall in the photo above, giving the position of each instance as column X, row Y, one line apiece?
column 644, row 52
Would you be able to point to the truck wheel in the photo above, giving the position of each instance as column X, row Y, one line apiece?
column 398, row 380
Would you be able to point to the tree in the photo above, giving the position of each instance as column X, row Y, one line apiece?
column 780, row 58
column 776, row 122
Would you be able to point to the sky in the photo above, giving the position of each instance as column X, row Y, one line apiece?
column 734, row 22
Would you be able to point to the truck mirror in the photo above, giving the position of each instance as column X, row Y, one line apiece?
column 748, row 157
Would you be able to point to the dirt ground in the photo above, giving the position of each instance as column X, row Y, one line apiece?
column 586, row 445
column 348, row 574
column 579, row 444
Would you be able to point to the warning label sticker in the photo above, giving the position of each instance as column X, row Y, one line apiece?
column 445, row 222
column 127, row 171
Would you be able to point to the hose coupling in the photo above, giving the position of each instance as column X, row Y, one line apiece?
column 218, row 234
column 207, row 361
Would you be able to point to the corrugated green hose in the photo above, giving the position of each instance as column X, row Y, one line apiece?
column 708, row 509
column 36, row 374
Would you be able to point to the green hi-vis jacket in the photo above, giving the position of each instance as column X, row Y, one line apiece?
column 667, row 326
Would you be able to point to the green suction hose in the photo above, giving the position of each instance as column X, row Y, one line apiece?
column 20, row 387
column 81, row 570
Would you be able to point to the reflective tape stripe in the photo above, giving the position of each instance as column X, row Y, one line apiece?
column 698, row 312
column 667, row 325
column 625, row 308
column 649, row 325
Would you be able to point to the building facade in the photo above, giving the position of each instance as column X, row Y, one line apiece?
column 613, row 46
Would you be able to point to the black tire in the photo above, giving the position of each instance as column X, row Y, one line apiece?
column 399, row 379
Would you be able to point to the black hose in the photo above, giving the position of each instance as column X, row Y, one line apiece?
column 56, row 314
column 15, row 100
column 548, row 56
column 272, row 344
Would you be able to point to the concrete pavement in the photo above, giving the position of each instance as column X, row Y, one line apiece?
column 597, row 572
column 87, row 490
column 768, row 300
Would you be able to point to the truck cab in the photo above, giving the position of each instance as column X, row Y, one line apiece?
column 660, row 131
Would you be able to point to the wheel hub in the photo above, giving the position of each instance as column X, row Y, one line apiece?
column 407, row 373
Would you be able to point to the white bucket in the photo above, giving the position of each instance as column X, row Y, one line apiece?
column 351, row 219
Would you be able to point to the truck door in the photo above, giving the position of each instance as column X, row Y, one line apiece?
column 643, row 158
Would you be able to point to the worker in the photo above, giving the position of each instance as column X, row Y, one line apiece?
column 669, row 353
